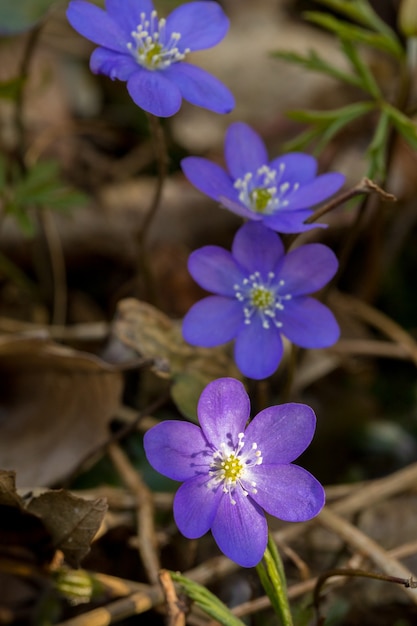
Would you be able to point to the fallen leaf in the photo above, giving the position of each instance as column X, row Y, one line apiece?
column 33, row 529
column 8, row 495
column 55, row 404
column 72, row 522
column 155, row 336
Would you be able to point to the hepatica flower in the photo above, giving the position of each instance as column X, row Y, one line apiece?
column 232, row 472
column 149, row 52
column 261, row 293
column 280, row 193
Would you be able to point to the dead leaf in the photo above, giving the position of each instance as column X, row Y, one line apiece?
column 155, row 336
column 8, row 495
column 72, row 522
column 32, row 530
column 55, row 404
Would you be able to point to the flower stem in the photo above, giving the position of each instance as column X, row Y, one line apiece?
column 272, row 576
column 161, row 155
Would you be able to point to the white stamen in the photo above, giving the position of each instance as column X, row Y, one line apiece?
column 231, row 467
column 151, row 48
column 262, row 192
column 264, row 298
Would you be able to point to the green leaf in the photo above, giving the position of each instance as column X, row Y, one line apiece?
column 347, row 113
column 20, row 15
column 207, row 601
column 367, row 80
column 10, row 88
column 356, row 34
column 361, row 11
column 42, row 186
column 22, row 217
column 406, row 127
column 326, row 124
column 315, row 63
column 377, row 149
column 303, row 140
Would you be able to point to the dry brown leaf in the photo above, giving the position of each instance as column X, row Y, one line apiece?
column 55, row 404
column 8, row 495
column 155, row 336
column 55, row 519
column 71, row 521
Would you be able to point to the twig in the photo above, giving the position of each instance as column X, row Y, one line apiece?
column 356, row 539
column 175, row 615
column 58, row 270
column 115, row 437
column 147, row 543
column 378, row 320
column 366, row 186
column 94, row 331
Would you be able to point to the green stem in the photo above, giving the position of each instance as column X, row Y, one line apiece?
column 272, row 576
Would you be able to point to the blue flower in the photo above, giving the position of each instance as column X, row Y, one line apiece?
column 233, row 472
column 261, row 294
column 279, row 193
column 147, row 52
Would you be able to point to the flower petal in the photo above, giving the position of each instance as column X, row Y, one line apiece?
column 288, row 492
column 223, row 410
column 195, row 506
column 282, row 432
column 200, row 88
column 113, row 64
column 208, row 177
column 257, row 248
column 96, row 25
column 127, row 13
column 212, row 321
column 318, row 190
column 258, row 351
column 215, row 269
column 177, row 449
column 297, row 167
column 154, row 93
column 309, row 323
column 200, row 24
column 244, row 150
column 308, row 268
column 240, row 530
column 289, row 221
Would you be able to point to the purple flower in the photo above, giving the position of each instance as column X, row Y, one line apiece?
column 233, row 471
column 149, row 53
column 279, row 193
column 261, row 294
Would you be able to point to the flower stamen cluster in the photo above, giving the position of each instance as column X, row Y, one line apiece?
column 151, row 50
column 229, row 467
column 262, row 298
column 262, row 192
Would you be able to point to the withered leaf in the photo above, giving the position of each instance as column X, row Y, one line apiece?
column 71, row 521
column 155, row 336
column 55, row 404
column 8, row 495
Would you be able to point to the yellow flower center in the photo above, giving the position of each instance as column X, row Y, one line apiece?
column 260, row 199
column 261, row 297
column 231, row 468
